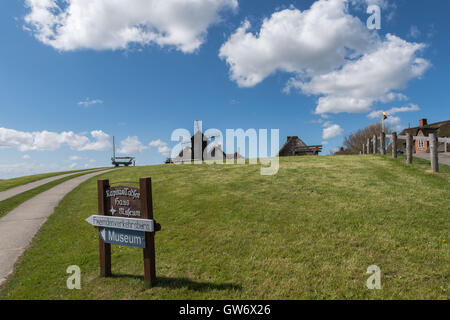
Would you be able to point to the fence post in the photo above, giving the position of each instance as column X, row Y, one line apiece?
column 375, row 144
column 394, row 145
column 434, row 152
column 363, row 149
column 383, row 143
column 409, row 148
column 145, row 187
column 104, row 248
column 368, row 146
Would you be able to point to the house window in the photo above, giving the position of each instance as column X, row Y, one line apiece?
column 421, row 144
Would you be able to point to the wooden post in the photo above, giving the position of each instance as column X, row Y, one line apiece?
column 434, row 156
column 368, row 146
column 363, row 149
column 105, row 248
column 383, row 143
column 147, row 213
column 409, row 148
column 394, row 145
column 375, row 145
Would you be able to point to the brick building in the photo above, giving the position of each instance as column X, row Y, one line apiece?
column 442, row 130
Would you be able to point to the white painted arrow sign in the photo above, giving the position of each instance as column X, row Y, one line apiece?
column 123, row 237
column 122, row 223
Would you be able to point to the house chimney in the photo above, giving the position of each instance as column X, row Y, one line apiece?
column 423, row 122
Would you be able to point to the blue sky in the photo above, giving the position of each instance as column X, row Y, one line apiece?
column 168, row 78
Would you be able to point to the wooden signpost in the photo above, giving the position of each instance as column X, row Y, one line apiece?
column 125, row 217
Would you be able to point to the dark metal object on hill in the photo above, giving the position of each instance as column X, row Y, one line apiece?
column 121, row 161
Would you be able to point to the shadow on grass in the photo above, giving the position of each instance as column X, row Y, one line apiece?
column 178, row 283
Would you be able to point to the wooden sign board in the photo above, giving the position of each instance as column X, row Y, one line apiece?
column 124, row 201
column 125, row 217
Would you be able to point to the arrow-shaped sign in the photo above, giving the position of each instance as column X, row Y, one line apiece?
column 145, row 225
column 123, row 237
column 103, row 233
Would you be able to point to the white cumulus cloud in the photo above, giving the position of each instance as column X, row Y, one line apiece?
column 162, row 146
column 330, row 54
column 373, row 78
column 111, row 24
column 47, row 140
column 131, row 145
column 394, row 123
column 378, row 113
column 331, row 131
column 312, row 41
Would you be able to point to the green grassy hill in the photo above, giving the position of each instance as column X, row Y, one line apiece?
column 309, row 232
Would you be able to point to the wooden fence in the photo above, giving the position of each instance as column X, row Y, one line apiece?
column 372, row 147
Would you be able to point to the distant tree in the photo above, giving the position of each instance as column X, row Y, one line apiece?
column 353, row 143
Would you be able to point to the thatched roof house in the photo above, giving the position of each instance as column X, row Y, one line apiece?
column 295, row 146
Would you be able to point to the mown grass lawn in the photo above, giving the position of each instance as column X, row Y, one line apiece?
column 309, row 232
